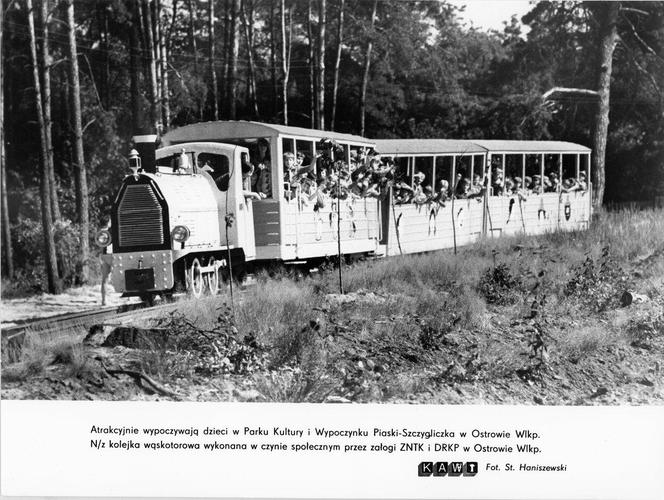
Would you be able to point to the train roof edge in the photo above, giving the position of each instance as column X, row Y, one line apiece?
column 470, row 146
column 218, row 130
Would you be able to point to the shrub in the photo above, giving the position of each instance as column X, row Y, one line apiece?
column 184, row 349
column 499, row 286
column 645, row 328
column 598, row 283
column 28, row 246
column 295, row 386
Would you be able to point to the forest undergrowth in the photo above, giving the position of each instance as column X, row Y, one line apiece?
column 520, row 320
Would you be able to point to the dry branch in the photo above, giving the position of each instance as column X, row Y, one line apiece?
column 139, row 377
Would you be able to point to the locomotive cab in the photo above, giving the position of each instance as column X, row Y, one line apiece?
column 179, row 224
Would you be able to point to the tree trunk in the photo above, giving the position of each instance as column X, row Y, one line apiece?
column 321, row 66
column 608, row 14
column 367, row 64
column 165, row 101
column 337, row 63
column 233, row 50
column 153, row 94
column 312, row 69
column 142, row 37
column 155, row 13
column 48, row 122
column 82, row 184
column 135, row 70
column 225, row 51
column 193, row 45
column 247, row 23
column 285, row 66
column 6, row 228
column 106, row 86
column 169, row 34
column 54, row 284
column 192, row 34
column 213, row 73
column 273, row 61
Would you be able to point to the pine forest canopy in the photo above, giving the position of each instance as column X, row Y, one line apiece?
column 378, row 68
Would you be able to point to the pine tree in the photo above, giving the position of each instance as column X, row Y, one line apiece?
column 320, row 90
column 82, row 201
column 367, row 65
column 6, row 228
column 50, row 258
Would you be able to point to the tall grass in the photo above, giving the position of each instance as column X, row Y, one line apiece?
column 38, row 353
column 440, row 290
column 409, row 274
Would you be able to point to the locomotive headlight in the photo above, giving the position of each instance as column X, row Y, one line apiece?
column 103, row 238
column 180, row 234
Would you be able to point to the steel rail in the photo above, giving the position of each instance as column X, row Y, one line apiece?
column 15, row 334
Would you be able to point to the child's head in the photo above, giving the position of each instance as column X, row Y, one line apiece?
column 289, row 161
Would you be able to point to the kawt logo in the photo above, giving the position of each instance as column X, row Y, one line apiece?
column 447, row 469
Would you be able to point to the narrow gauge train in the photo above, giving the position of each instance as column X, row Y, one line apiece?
column 179, row 218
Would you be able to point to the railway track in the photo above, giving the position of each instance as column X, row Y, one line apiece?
column 15, row 334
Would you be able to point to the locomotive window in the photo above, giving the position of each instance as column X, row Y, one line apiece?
column 177, row 162
column 220, row 168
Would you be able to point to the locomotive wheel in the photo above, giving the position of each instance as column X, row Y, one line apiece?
column 196, row 284
column 213, row 277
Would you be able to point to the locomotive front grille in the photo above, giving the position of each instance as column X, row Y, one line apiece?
column 140, row 218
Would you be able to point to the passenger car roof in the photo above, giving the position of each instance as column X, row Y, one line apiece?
column 427, row 146
column 473, row 146
column 499, row 145
column 219, row 130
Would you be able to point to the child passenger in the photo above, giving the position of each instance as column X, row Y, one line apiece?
column 442, row 195
column 247, row 172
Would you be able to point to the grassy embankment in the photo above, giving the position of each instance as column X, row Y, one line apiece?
column 512, row 320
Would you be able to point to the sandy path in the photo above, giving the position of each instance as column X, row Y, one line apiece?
column 44, row 305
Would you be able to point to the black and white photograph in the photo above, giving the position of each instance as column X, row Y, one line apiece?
column 334, row 202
